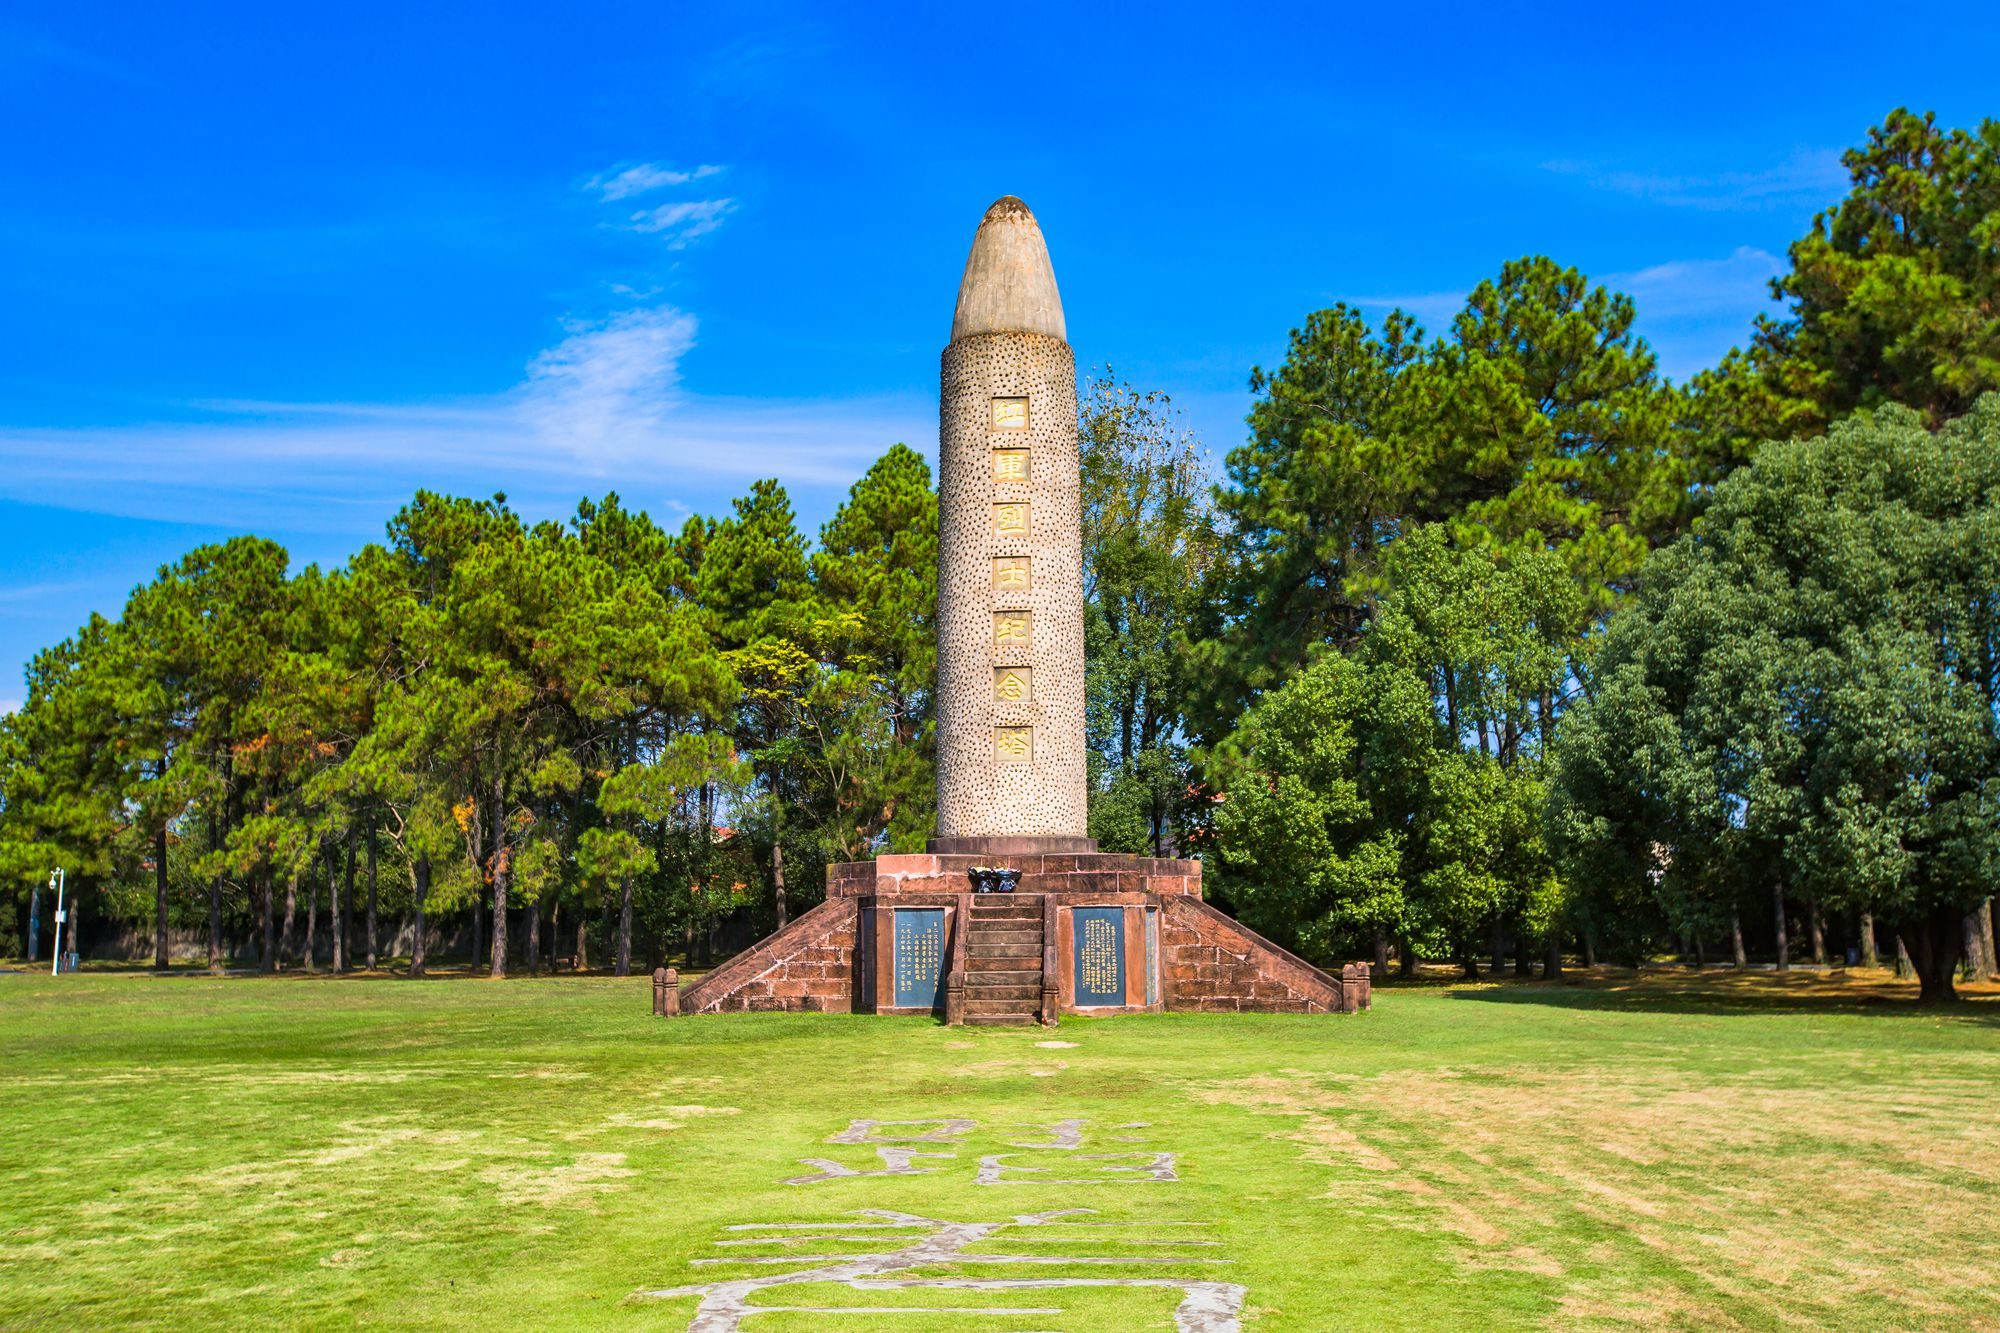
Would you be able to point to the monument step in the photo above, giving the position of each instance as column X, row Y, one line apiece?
column 981, row 933
column 1010, row 1006
column 1000, row 1020
column 1011, row 949
column 1013, row 967
column 988, row 908
column 975, row 989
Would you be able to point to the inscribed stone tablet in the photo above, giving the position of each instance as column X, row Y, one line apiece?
column 919, row 944
column 1013, row 629
column 1014, row 745
column 1010, row 466
column 1099, row 934
column 1010, row 414
column 1013, row 685
column 1010, row 519
column 1010, row 573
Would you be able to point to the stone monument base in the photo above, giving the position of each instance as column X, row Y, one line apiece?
column 1083, row 932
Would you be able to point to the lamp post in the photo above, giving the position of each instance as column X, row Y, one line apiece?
column 57, row 881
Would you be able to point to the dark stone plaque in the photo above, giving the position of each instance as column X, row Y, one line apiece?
column 919, row 956
column 1099, row 940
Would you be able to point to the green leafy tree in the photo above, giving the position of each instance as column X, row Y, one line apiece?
column 1893, row 296
column 1148, row 549
column 61, row 795
column 1816, row 667
column 1541, row 424
column 1396, row 791
column 875, row 574
column 1308, row 498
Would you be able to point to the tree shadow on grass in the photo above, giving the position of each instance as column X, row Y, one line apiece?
column 1726, row 991
column 397, row 970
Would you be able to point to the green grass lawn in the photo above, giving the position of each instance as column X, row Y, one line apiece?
column 1757, row 1152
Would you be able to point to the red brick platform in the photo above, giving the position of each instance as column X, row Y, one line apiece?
column 1150, row 944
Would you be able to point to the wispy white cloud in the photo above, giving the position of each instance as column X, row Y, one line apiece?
column 28, row 592
column 603, row 407
column 1808, row 177
column 1433, row 308
column 1690, row 310
column 681, row 222
column 644, row 179
column 1732, row 285
column 609, row 386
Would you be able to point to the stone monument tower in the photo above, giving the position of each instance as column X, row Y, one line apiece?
column 1013, row 915
column 1011, row 769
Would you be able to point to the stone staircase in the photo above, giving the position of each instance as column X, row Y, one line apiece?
column 1003, row 960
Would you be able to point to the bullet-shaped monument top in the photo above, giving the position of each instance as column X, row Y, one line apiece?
column 1009, row 285
column 1012, row 759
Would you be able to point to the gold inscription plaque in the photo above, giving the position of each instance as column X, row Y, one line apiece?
column 1014, row 745
column 1097, row 957
column 1013, row 685
column 1010, row 414
column 1010, row 466
column 1010, row 573
column 1010, row 520
column 1013, row 629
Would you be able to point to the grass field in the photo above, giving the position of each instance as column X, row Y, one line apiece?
column 1740, row 1151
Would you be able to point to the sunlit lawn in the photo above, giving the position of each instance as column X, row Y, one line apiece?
column 1739, row 1151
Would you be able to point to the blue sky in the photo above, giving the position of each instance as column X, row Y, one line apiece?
column 270, row 268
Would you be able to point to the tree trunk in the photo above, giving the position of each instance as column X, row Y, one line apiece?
column 1497, row 946
column 625, row 927
column 778, row 879
column 1700, row 953
column 1904, row 971
column 1934, row 942
column 267, row 940
column 1868, row 954
column 1818, row 925
column 1522, row 967
column 1552, row 955
column 312, row 916
column 1975, row 950
column 344, row 925
column 333, row 907
column 160, row 959
column 1985, row 915
column 1381, row 952
column 1736, row 939
column 75, row 919
column 1468, row 963
column 371, row 897
column 291, row 916
column 503, row 877
column 420, row 891
column 582, row 947
column 1406, row 957
column 34, row 920
column 534, row 915
column 478, row 931
column 1590, row 946
column 1784, row 945
column 214, row 925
